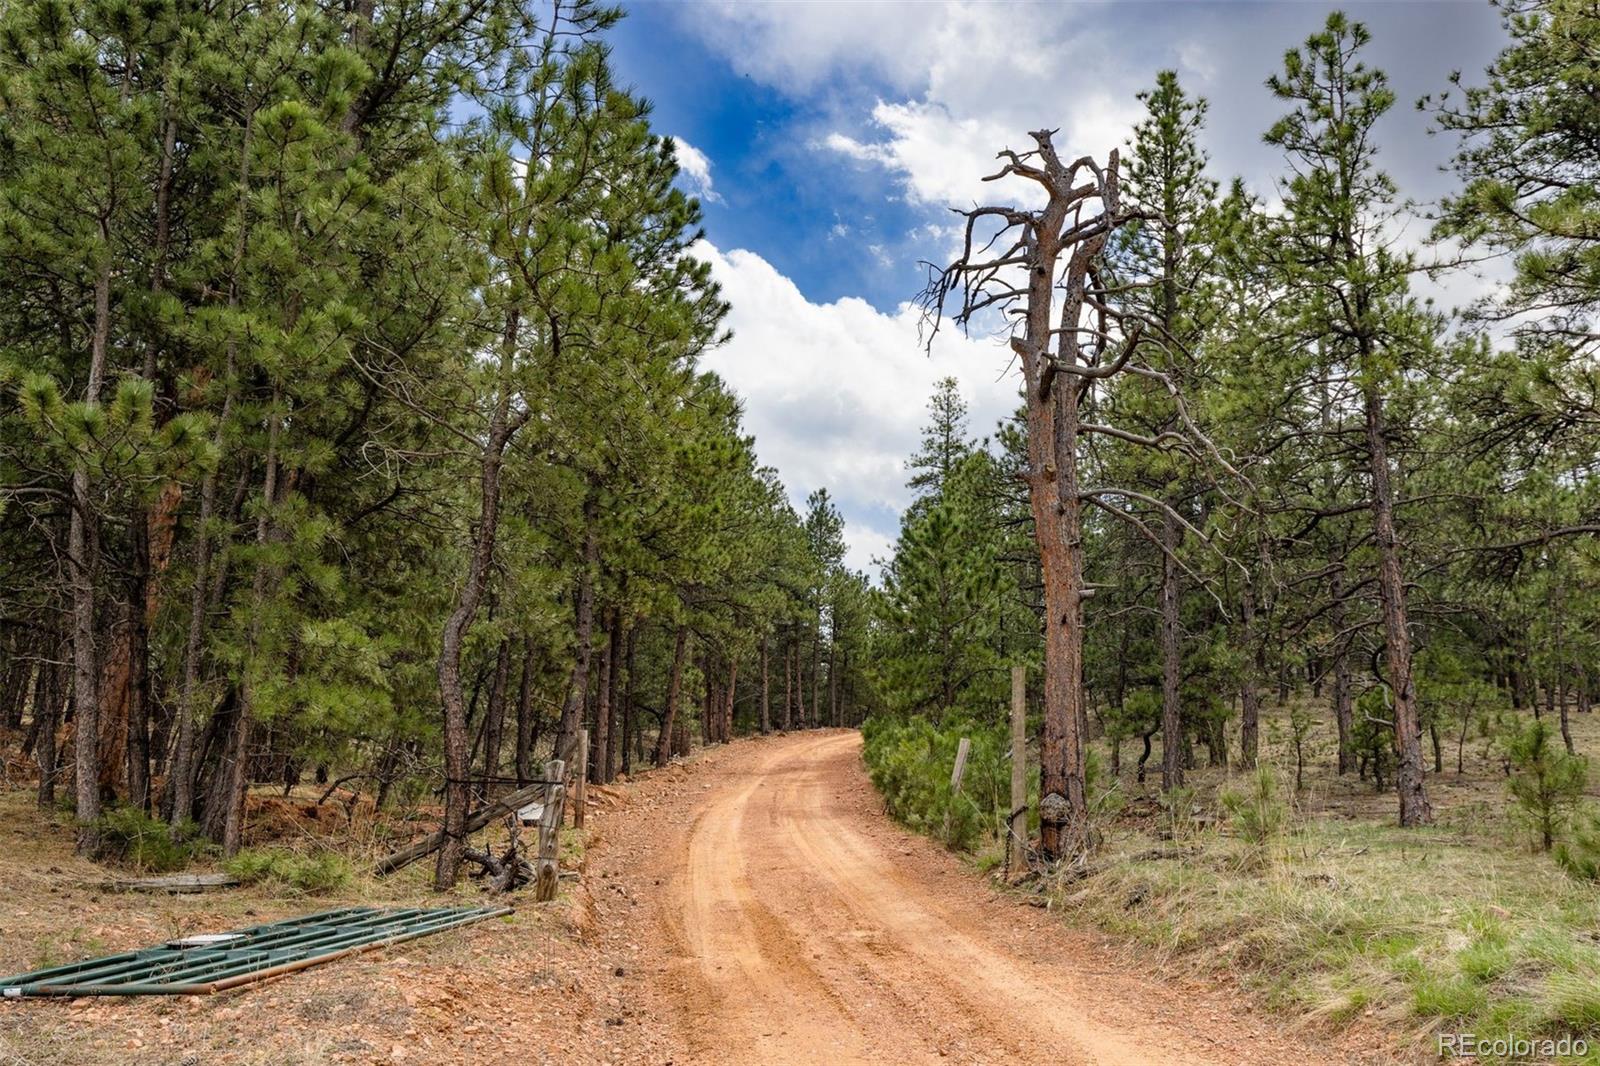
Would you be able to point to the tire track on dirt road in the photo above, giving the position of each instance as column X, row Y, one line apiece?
column 808, row 929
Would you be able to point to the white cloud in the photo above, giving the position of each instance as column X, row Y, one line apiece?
column 695, row 169
column 836, row 393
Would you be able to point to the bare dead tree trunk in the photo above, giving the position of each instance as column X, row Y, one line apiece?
column 1414, row 809
column 1021, row 271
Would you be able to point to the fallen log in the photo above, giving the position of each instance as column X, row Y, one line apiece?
column 398, row 860
column 184, row 883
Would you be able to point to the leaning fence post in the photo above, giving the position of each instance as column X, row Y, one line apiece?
column 549, row 870
column 961, row 764
column 1017, row 821
column 955, row 782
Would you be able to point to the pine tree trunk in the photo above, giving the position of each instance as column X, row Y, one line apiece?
column 236, row 761
column 494, row 725
column 1343, row 714
column 1057, row 509
column 630, row 721
column 578, row 690
column 614, row 737
column 1171, row 663
column 1414, row 809
column 49, row 696
column 502, row 428
column 833, row 685
column 788, row 686
column 600, row 735
column 669, row 712
column 182, row 774
column 83, row 551
column 766, row 690
column 524, row 755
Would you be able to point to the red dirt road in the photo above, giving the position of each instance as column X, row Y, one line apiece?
column 795, row 924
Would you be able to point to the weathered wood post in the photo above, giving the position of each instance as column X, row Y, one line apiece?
column 961, row 764
column 955, row 781
column 1017, row 821
column 580, row 780
column 548, row 873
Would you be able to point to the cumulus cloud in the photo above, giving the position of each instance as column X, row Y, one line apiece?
column 695, row 169
column 925, row 94
column 836, row 393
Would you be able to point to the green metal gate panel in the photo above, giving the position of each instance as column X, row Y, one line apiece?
column 217, row 961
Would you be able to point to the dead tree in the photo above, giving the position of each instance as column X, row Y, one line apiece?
column 1016, row 265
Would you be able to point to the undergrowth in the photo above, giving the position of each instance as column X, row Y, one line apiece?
column 133, row 838
column 910, row 762
column 315, row 874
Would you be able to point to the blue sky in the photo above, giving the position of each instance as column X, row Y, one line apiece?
column 828, row 140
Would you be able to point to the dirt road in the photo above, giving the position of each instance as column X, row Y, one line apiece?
column 800, row 926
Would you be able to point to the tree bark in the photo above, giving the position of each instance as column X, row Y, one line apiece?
column 600, row 735
column 766, row 690
column 83, row 551
column 614, row 738
column 524, row 754
column 578, row 690
column 1414, row 809
column 1171, row 662
column 502, row 428
column 236, row 761
column 630, row 722
column 788, row 686
column 1249, row 680
column 494, row 724
column 669, row 712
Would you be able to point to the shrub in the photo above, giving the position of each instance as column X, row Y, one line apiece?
column 310, row 875
column 1258, row 812
column 1545, row 781
column 130, row 836
column 910, row 763
column 1579, row 853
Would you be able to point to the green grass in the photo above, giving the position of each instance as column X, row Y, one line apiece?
column 1422, row 933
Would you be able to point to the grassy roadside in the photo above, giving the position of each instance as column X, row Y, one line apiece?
column 1339, row 918
column 1423, row 934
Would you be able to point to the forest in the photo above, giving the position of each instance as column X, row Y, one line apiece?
column 352, row 423
column 355, row 440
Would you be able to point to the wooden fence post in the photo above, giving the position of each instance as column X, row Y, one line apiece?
column 580, row 780
column 955, row 781
column 549, row 867
column 1017, row 821
column 961, row 764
